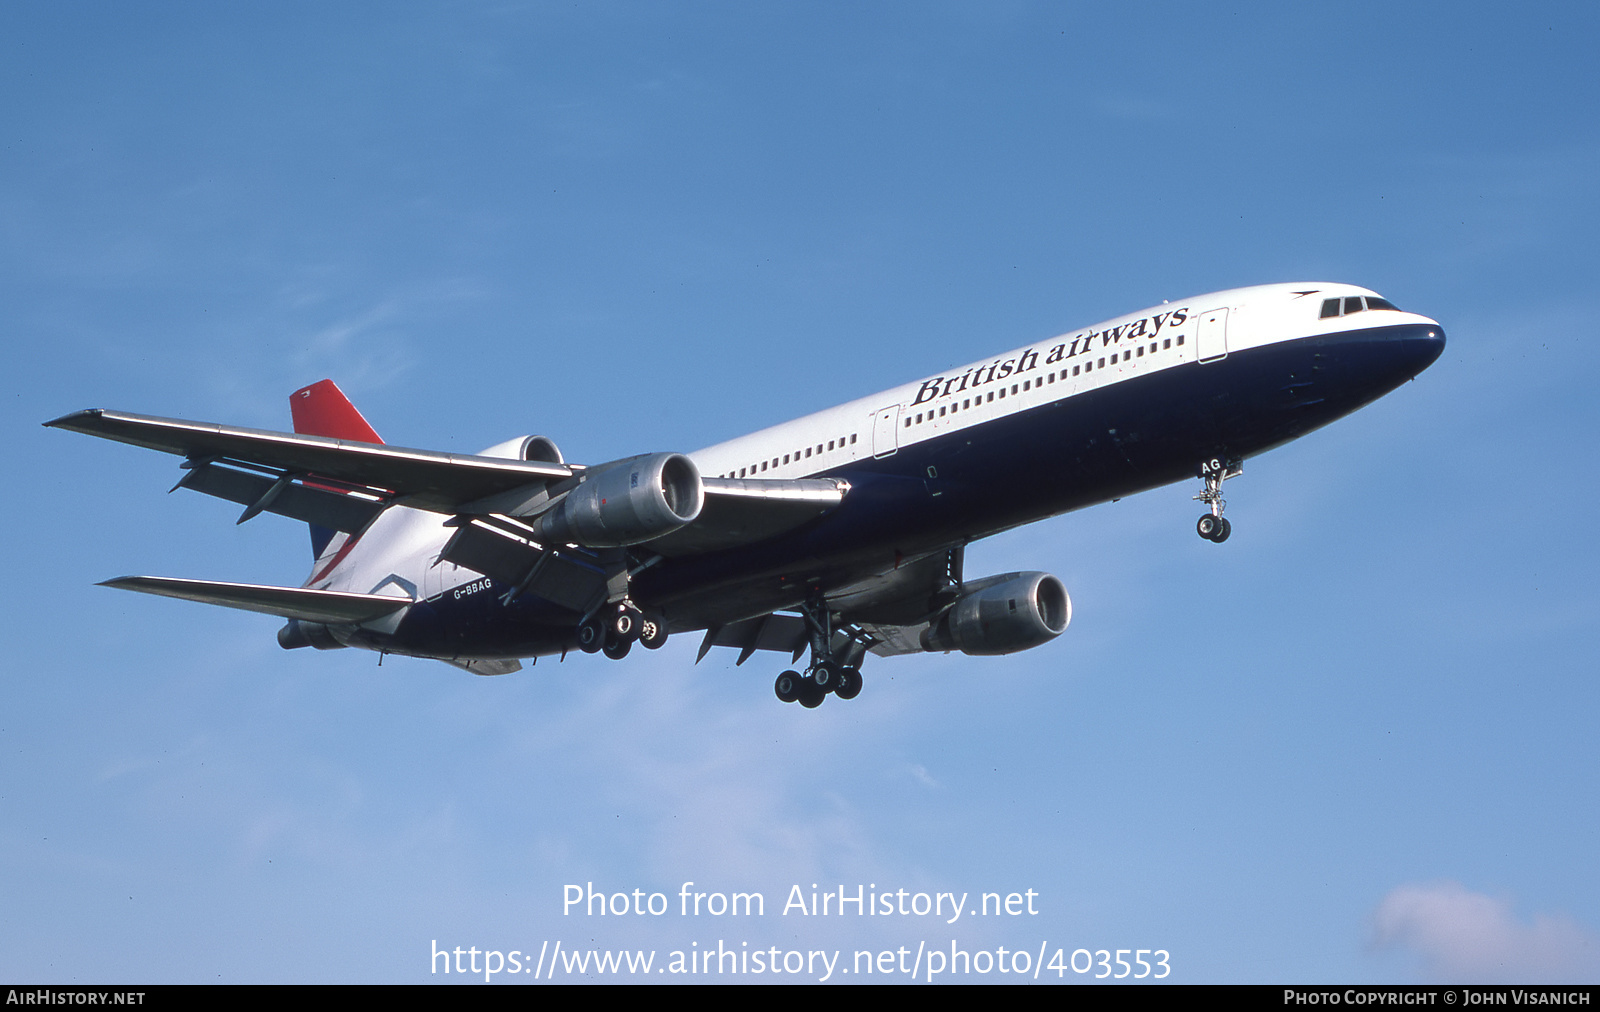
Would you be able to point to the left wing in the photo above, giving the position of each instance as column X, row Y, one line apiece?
column 423, row 479
column 341, row 484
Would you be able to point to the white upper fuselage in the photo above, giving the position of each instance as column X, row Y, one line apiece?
column 1153, row 339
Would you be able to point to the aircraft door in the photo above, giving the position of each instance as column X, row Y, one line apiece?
column 1211, row 337
column 886, row 431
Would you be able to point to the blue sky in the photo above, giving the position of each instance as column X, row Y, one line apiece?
column 1354, row 744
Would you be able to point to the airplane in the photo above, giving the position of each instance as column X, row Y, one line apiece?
column 836, row 534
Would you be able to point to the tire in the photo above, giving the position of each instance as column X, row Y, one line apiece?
column 825, row 675
column 849, row 684
column 653, row 634
column 591, row 637
column 617, row 649
column 1223, row 530
column 787, row 686
column 1207, row 526
column 811, row 697
column 626, row 624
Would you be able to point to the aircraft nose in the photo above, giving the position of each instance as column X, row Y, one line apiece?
column 1425, row 346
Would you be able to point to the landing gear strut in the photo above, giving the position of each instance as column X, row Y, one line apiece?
column 838, row 673
column 1214, row 526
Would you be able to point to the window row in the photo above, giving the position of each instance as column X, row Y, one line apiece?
column 966, row 403
column 797, row 455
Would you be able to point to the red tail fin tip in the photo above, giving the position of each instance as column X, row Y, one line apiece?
column 322, row 409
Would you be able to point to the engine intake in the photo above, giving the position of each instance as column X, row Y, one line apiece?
column 627, row 502
column 1001, row 615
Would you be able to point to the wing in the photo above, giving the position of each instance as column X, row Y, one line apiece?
column 342, row 484
column 744, row 511
column 423, row 479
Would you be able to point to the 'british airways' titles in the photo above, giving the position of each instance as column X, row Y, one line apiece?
column 1001, row 369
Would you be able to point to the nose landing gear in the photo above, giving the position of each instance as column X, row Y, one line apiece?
column 1213, row 526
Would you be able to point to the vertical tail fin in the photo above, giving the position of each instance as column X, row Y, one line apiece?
column 322, row 409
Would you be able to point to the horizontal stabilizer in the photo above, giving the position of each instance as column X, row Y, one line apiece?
column 326, row 606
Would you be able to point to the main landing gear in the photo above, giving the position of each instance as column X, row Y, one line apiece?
column 838, row 672
column 617, row 626
column 1214, row 526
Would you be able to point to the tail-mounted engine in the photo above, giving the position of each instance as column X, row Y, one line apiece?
column 627, row 502
column 1001, row 615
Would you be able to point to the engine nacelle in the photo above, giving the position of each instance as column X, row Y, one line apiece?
column 1001, row 615
column 627, row 502
column 539, row 449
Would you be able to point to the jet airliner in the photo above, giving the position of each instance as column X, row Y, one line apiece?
column 836, row 534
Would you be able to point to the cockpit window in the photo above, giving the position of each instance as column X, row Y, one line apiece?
column 1352, row 304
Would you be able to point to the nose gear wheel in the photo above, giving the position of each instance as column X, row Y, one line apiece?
column 1213, row 526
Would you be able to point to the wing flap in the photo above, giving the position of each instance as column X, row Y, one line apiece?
column 326, row 606
column 503, row 548
column 783, row 633
column 424, row 479
column 337, row 511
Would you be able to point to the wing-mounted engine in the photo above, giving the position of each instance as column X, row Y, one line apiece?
column 1002, row 615
column 535, row 448
column 626, row 502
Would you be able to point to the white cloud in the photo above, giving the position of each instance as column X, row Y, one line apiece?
column 1460, row 935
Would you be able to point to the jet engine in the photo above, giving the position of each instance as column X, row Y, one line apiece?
column 1001, row 615
column 541, row 449
column 627, row 502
